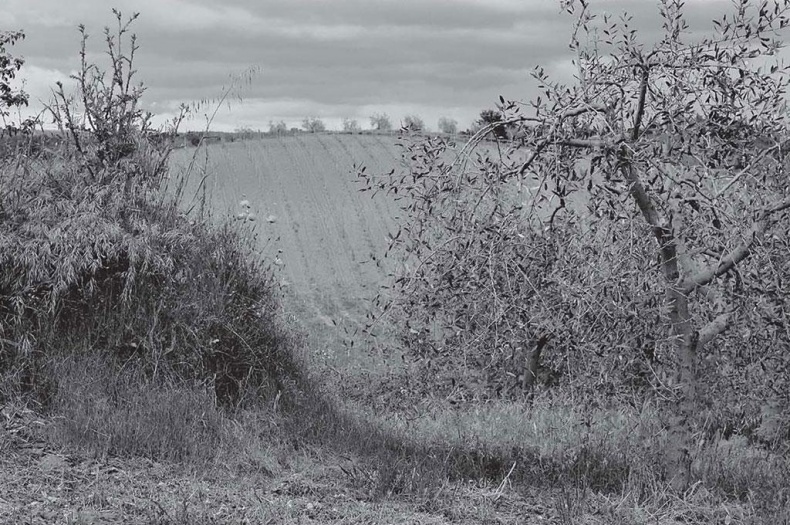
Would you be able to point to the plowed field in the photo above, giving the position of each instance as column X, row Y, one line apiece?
column 326, row 237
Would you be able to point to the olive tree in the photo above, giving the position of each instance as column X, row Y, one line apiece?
column 448, row 125
column 413, row 122
column 313, row 124
column 634, row 235
column 351, row 125
column 278, row 128
column 380, row 122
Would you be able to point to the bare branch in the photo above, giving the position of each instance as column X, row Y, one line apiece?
column 745, row 170
column 640, row 107
column 713, row 329
column 738, row 254
column 541, row 145
column 644, row 202
column 586, row 143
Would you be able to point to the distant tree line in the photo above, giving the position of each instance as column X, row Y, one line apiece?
column 382, row 122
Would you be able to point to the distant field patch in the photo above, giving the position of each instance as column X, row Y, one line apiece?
column 326, row 237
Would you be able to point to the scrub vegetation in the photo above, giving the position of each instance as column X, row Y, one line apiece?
column 579, row 316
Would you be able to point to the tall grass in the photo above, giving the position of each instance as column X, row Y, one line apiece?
column 127, row 318
column 111, row 267
column 616, row 461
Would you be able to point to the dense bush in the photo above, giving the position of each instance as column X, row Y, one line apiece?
column 97, row 256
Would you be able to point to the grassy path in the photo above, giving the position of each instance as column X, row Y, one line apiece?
column 44, row 485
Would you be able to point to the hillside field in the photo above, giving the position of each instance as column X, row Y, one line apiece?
column 325, row 238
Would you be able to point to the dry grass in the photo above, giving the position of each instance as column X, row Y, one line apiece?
column 464, row 466
column 620, row 463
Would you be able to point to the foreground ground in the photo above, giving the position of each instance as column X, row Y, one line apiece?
column 298, row 482
column 46, row 485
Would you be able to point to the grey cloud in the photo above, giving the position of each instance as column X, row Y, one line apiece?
column 445, row 53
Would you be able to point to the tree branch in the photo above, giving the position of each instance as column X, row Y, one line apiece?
column 780, row 206
column 713, row 329
column 586, row 143
column 574, row 112
column 640, row 107
column 644, row 202
column 745, row 170
column 726, row 263
column 738, row 254
column 538, row 148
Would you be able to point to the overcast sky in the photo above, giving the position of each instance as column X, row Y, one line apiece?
column 327, row 58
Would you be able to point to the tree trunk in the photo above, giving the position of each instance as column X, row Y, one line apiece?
column 531, row 365
column 677, row 300
column 686, row 341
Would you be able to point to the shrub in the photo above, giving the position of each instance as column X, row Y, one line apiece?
column 490, row 119
column 313, row 124
column 380, row 122
column 351, row 125
column 278, row 128
column 193, row 138
column 413, row 122
column 448, row 125
column 96, row 256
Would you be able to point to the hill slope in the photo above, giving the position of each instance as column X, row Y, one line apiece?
column 327, row 238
